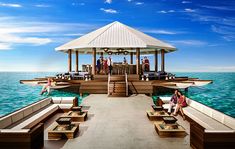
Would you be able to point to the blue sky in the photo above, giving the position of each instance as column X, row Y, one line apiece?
column 202, row 30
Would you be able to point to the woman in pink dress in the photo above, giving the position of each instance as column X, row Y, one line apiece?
column 181, row 102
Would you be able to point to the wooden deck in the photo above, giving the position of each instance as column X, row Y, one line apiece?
column 99, row 84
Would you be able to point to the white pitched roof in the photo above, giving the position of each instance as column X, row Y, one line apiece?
column 116, row 35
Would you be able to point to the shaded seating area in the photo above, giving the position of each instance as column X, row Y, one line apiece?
column 209, row 128
column 24, row 128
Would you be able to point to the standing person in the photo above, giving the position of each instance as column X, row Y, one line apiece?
column 98, row 65
column 143, row 66
column 180, row 104
column 101, row 63
column 110, row 65
column 173, row 101
column 124, row 61
column 105, row 65
column 146, row 63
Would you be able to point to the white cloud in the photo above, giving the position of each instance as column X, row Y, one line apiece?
column 11, row 39
column 189, row 42
column 227, row 32
column 227, row 8
column 162, row 11
column 108, row 1
column 5, row 46
column 109, row 10
column 139, row 3
column 189, row 10
column 10, row 5
column 42, row 6
column 74, row 34
column 186, row 2
column 156, row 31
column 166, row 11
column 81, row 4
column 171, row 11
column 17, row 31
column 129, row 0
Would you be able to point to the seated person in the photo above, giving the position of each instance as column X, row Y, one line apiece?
column 181, row 102
column 173, row 101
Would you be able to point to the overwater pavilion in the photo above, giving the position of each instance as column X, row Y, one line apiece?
column 116, row 38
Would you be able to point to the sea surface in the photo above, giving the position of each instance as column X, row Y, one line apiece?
column 219, row 95
column 14, row 95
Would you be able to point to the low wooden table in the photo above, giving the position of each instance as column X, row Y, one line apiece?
column 76, row 116
column 156, row 115
column 157, row 108
column 168, row 130
column 58, row 132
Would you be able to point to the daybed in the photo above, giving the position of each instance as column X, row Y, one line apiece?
column 23, row 129
column 209, row 128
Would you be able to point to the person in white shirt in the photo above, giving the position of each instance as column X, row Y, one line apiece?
column 110, row 65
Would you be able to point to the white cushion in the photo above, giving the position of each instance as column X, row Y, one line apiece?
column 229, row 121
column 206, row 110
column 195, row 105
column 218, row 116
column 14, row 131
column 65, row 106
column 165, row 99
column 56, row 100
column 204, row 120
column 37, row 117
column 67, row 100
column 219, row 131
column 166, row 106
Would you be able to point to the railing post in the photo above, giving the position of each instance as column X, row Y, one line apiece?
column 108, row 82
column 126, row 84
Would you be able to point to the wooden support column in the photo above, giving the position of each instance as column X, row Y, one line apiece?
column 69, row 60
column 131, row 58
column 138, row 61
column 93, row 61
column 156, row 61
column 163, row 60
column 77, row 61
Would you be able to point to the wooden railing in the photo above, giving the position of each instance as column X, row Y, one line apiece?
column 126, row 84
column 108, row 83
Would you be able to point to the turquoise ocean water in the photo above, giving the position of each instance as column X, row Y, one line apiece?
column 14, row 95
column 220, row 95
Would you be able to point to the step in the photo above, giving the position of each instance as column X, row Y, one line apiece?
column 118, row 95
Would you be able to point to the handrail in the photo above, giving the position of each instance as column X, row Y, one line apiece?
column 126, row 84
column 108, row 82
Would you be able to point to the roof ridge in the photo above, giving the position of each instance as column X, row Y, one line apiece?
column 111, row 24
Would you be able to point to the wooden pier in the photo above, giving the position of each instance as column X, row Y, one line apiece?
column 117, row 85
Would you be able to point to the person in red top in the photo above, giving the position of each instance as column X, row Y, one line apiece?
column 105, row 65
column 146, row 63
column 181, row 102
